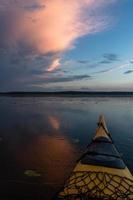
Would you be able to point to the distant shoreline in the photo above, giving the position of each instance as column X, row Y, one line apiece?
column 67, row 94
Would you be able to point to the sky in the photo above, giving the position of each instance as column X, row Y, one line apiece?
column 57, row 45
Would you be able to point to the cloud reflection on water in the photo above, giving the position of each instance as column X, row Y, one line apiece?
column 54, row 121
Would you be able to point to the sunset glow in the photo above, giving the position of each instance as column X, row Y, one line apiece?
column 41, row 36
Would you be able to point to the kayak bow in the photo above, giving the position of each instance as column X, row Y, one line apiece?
column 100, row 173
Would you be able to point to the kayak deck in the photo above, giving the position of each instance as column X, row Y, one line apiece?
column 100, row 172
column 96, row 185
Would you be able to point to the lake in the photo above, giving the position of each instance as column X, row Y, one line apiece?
column 42, row 137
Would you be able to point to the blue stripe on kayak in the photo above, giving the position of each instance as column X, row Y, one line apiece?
column 103, row 153
column 103, row 160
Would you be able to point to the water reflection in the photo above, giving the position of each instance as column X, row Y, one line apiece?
column 46, row 135
column 52, row 156
column 54, row 121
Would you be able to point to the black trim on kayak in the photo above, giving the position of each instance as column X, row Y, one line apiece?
column 102, row 152
column 102, row 139
column 103, row 160
column 103, row 148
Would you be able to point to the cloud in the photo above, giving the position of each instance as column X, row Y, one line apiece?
column 128, row 72
column 83, row 61
column 105, row 62
column 63, row 79
column 108, row 58
column 35, row 33
column 111, row 56
column 113, row 68
column 55, row 64
column 54, row 30
column 34, row 7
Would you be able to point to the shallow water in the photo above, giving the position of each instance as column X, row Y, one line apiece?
column 42, row 137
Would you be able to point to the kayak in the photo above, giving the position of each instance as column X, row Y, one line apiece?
column 100, row 173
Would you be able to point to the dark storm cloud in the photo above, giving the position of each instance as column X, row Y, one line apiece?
column 128, row 72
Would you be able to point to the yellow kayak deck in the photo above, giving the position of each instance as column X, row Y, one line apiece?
column 100, row 173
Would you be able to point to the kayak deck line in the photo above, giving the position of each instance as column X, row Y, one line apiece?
column 97, row 185
column 100, row 173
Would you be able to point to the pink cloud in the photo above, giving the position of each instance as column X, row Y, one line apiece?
column 55, row 64
column 48, row 26
column 61, row 22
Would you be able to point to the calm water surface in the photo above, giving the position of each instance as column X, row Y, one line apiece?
column 42, row 137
